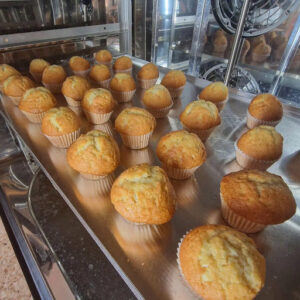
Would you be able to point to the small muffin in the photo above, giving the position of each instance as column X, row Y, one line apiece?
column 35, row 102
column 15, row 86
column 5, row 72
column 157, row 101
column 216, row 92
column 254, row 199
column 37, row 67
column 174, row 81
column 94, row 155
column 98, row 105
column 220, row 263
column 104, row 57
column 53, row 78
column 144, row 194
column 61, row 126
column 135, row 126
column 181, row 153
column 200, row 117
column 220, row 44
column 264, row 109
column 147, row 76
column 100, row 74
column 123, row 64
column 122, row 87
column 74, row 88
column 259, row 148
column 79, row 66
column 261, row 52
column 257, row 40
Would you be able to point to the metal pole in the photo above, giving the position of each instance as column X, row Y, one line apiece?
column 236, row 41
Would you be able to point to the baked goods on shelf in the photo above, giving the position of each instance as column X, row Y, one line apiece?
column 5, row 72
column 220, row 44
column 53, row 78
column 37, row 67
column 261, row 52
column 104, row 57
column 79, row 66
column 174, row 81
column 147, row 76
column 123, row 64
column 100, row 75
column 122, row 87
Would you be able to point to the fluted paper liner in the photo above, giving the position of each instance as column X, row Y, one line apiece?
column 37, row 76
column 104, row 83
column 72, row 102
column 146, row 83
column 127, row 71
column 82, row 73
column 137, row 141
column 93, row 177
column 176, row 93
column 123, row 96
column 96, row 118
column 65, row 140
column 15, row 100
column 159, row 113
column 34, row 118
column 177, row 173
column 253, row 122
column 202, row 133
column 54, row 88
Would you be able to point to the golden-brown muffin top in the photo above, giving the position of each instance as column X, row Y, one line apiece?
column 258, row 196
column 262, row 143
column 98, row 101
column 54, row 74
column 59, row 121
column 200, row 114
column 265, row 107
column 38, row 65
column 257, row 40
column 7, row 71
column 135, row 121
column 148, row 71
column 157, row 96
column 94, row 153
column 214, row 92
column 103, row 56
column 181, row 149
column 75, row 87
column 122, row 63
column 144, row 194
column 16, row 85
column 174, row 79
column 221, row 263
column 262, row 48
column 100, row 73
column 37, row 100
column 78, row 63
column 122, row 82
column 220, row 40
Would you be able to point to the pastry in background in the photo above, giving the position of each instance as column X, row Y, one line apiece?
column 147, row 76
column 220, row 44
column 79, row 66
column 100, row 75
column 37, row 67
column 174, row 81
column 53, row 78
column 104, row 57
column 257, row 40
column 123, row 64
column 5, row 72
column 269, row 36
column 245, row 50
column 278, row 45
column 261, row 52
column 123, row 87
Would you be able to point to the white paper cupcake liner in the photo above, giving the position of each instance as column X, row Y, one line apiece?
column 136, row 142
column 238, row 222
column 64, row 141
column 34, row 118
column 54, row 88
column 127, row 71
column 104, row 83
column 82, row 73
column 159, row 113
column 253, row 122
column 103, row 185
column 37, row 76
column 96, row 118
column 1, row 87
column 248, row 162
column 176, row 93
column 106, row 127
column 177, row 173
column 15, row 100
column 146, row 83
column 72, row 102
column 202, row 133
column 93, row 177
column 123, row 96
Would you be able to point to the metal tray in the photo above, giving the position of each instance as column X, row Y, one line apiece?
column 145, row 256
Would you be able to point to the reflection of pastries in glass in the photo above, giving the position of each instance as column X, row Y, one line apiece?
column 270, row 36
column 245, row 50
column 131, row 157
column 278, row 45
column 220, row 43
column 257, row 40
column 261, row 52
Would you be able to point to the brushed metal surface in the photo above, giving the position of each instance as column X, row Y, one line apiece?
column 145, row 255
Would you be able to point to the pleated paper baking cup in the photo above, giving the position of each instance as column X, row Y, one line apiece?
column 123, row 96
column 248, row 162
column 65, row 140
column 253, row 122
column 127, row 71
column 54, row 88
column 176, row 93
column 93, row 177
column 15, row 100
column 37, row 76
column 177, row 173
column 146, row 83
column 34, row 118
column 72, row 102
column 202, row 133
column 96, row 118
column 238, row 222
column 136, row 141
column 82, row 73
column 1, row 87
column 104, row 83
column 159, row 113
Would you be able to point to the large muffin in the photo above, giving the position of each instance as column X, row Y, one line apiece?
column 5, row 72
column 220, row 263
column 37, row 67
column 123, row 64
column 94, row 155
column 104, row 57
column 144, row 194
column 100, row 74
column 254, row 199
column 122, row 87
column 53, row 78
column 174, row 81
column 181, row 153
column 79, row 65
column 148, row 75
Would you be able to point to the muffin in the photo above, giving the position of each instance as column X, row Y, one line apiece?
column 61, row 126
column 254, row 199
column 264, row 109
column 259, row 148
column 245, row 50
column 79, row 66
column 181, row 153
column 104, row 57
column 200, row 117
column 15, row 86
column 147, row 76
column 278, row 45
column 5, row 72
column 94, row 155
column 174, row 81
column 219, row 263
column 144, row 194
column 216, row 92
column 123, row 64
column 98, row 105
column 74, row 88
column 158, row 101
column 135, row 126
column 53, row 78
column 261, row 52
column 122, row 87
column 35, row 102
column 100, row 74
column 257, row 40
column 220, row 44
column 37, row 67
